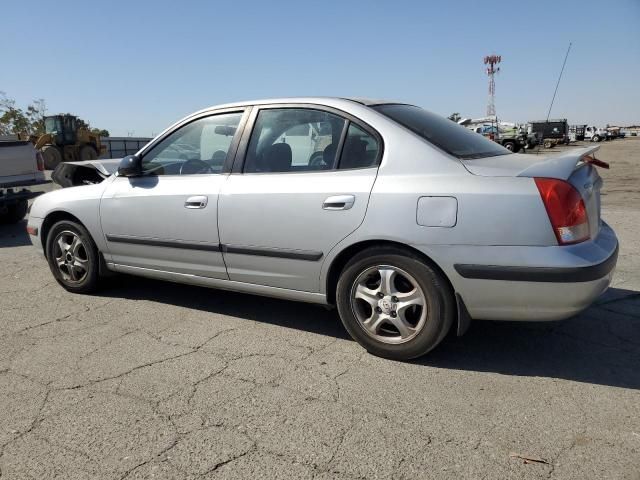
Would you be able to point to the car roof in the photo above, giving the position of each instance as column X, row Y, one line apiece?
column 370, row 102
column 329, row 101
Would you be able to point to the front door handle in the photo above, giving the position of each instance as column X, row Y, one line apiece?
column 199, row 201
column 339, row 202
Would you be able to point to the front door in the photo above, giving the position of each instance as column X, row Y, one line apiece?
column 167, row 218
column 304, row 185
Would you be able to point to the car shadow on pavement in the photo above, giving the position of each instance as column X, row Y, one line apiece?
column 14, row 235
column 300, row 316
column 600, row 346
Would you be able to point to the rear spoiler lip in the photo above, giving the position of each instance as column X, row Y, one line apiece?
column 560, row 167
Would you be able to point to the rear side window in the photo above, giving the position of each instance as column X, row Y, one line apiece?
column 360, row 149
column 442, row 132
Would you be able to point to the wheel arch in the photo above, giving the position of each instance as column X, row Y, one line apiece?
column 342, row 258
column 51, row 219
column 462, row 318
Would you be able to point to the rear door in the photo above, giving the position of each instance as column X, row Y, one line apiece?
column 300, row 185
column 167, row 219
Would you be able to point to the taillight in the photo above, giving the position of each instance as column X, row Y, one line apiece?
column 566, row 210
column 40, row 161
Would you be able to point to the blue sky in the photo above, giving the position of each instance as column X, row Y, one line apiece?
column 138, row 66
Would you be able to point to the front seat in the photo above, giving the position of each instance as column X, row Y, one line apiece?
column 218, row 158
column 277, row 158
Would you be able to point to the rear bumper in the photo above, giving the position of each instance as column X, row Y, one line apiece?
column 540, row 274
column 530, row 283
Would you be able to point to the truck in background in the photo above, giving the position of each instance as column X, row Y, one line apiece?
column 21, row 167
column 595, row 134
column 550, row 132
column 512, row 136
column 576, row 132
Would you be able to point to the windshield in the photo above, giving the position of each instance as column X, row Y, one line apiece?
column 442, row 132
column 52, row 124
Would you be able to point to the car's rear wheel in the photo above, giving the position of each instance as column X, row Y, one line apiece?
column 73, row 257
column 394, row 304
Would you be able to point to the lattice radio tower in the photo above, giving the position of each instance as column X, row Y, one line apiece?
column 491, row 61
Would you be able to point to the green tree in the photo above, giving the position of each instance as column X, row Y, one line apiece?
column 12, row 120
column 35, row 114
column 100, row 132
column 31, row 121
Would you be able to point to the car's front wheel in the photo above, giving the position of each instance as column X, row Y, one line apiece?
column 394, row 304
column 73, row 257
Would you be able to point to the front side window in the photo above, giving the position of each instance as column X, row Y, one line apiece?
column 200, row 147
column 293, row 140
column 442, row 132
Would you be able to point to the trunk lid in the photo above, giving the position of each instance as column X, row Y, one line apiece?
column 569, row 166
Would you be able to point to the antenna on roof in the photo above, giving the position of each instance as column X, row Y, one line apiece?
column 558, row 84
column 554, row 93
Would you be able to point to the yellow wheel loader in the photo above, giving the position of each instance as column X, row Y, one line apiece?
column 65, row 141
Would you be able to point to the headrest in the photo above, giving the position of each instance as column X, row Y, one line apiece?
column 278, row 158
column 354, row 154
column 329, row 154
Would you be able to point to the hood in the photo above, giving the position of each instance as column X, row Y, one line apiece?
column 72, row 174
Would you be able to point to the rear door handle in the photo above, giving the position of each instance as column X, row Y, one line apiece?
column 199, row 201
column 339, row 202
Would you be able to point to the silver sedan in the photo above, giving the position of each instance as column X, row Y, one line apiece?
column 410, row 224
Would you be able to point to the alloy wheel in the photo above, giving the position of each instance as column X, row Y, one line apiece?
column 389, row 304
column 72, row 259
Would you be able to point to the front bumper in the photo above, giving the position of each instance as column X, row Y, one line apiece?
column 531, row 283
column 34, row 228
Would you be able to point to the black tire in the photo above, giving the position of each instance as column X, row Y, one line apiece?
column 595, row 138
column 89, row 281
column 15, row 212
column 440, row 304
column 52, row 156
column 510, row 146
column 87, row 152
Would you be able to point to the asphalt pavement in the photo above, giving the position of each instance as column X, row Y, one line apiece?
column 156, row 380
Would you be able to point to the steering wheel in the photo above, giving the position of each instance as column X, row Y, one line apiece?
column 194, row 166
column 317, row 160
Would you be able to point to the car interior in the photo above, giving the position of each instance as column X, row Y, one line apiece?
column 283, row 140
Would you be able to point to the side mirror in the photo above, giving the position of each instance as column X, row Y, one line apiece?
column 130, row 166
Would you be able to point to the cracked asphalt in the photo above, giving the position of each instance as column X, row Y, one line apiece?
column 155, row 380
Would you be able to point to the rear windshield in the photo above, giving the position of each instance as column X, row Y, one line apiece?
column 442, row 132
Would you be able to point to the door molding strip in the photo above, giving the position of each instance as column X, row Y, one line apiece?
column 307, row 255
column 152, row 242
